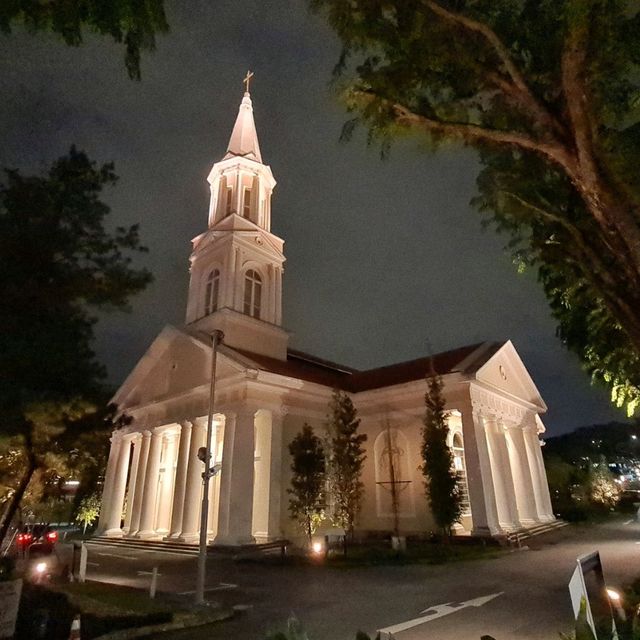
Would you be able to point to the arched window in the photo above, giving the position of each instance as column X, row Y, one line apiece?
column 457, row 448
column 252, row 293
column 211, row 292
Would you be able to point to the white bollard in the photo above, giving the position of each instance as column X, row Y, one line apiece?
column 154, row 583
column 82, row 571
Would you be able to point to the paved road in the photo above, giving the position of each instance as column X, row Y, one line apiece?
column 334, row 602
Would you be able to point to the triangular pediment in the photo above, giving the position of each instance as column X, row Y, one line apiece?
column 176, row 362
column 505, row 371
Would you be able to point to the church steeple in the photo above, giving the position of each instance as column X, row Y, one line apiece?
column 244, row 138
column 237, row 263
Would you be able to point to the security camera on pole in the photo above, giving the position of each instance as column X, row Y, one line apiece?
column 204, row 454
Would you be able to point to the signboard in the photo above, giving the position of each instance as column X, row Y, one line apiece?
column 588, row 583
column 9, row 602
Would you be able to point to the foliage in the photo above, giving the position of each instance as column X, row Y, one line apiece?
column 88, row 510
column 441, row 481
column 604, row 492
column 58, row 263
column 308, row 480
column 132, row 22
column 346, row 458
column 549, row 94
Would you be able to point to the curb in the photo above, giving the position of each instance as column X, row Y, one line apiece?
column 140, row 632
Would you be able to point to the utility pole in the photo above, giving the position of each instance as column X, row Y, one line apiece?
column 204, row 454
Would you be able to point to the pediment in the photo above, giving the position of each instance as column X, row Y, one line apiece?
column 505, row 371
column 176, row 362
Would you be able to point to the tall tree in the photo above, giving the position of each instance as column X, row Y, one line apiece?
column 547, row 91
column 308, row 480
column 58, row 264
column 346, row 458
column 133, row 23
column 441, row 479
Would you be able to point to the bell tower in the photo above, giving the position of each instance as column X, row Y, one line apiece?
column 237, row 263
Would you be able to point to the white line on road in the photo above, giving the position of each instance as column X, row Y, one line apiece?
column 629, row 521
column 115, row 555
column 437, row 611
column 93, row 564
column 222, row 586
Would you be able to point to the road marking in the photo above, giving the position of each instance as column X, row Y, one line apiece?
column 115, row 555
column 222, row 586
column 437, row 611
column 629, row 521
column 93, row 564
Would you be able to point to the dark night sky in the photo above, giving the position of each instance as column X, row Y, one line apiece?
column 383, row 257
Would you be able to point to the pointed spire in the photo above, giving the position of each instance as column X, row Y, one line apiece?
column 244, row 139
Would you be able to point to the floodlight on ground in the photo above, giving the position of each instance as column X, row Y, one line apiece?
column 317, row 547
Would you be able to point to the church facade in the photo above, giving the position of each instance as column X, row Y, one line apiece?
column 265, row 392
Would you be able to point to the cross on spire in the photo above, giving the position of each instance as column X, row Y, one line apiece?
column 246, row 80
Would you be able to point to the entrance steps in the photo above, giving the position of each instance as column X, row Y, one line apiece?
column 184, row 548
column 515, row 538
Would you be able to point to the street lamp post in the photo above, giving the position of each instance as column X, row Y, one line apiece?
column 204, row 453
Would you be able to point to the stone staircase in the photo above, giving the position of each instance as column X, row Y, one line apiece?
column 515, row 538
column 183, row 548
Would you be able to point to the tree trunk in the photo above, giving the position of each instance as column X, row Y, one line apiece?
column 16, row 498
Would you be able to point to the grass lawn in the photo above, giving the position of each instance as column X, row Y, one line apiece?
column 105, row 608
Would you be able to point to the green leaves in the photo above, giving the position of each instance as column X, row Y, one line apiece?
column 308, row 480
column 441, row 481
column 131, row 22
column 346, row 458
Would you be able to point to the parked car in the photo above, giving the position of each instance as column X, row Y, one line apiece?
column 30, row 534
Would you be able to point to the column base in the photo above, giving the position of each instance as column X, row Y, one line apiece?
column 486, row 532
column 187, row 538
column 527, row 523
column 113, row 533
column 146, row 535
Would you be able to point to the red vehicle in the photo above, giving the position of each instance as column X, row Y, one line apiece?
column 36, row 533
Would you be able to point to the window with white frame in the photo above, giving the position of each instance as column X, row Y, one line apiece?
column 212, row 289
column 252, row 293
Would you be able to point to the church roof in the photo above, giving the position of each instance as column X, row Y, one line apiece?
column 307, row 367
column 244, row 137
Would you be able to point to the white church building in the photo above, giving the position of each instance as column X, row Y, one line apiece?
column 265, row 392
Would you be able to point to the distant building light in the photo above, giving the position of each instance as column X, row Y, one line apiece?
column 71, row 483
column 634, row 437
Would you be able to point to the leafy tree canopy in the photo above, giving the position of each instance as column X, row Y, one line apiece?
column 131, row 22
column 548, row 91
column 58, row 264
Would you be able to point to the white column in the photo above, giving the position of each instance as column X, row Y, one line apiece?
column 214, row 486
column 275, row 477
column 538, row 475
column 138, row 494
column 107, row 489
column 236, row 480
column 168, row 476
column 484, row 512
column 502, row 476
column 193, row 489
column 119, row 485
column 148, row 515
column 181, row 478
column 131, row 485
column 521, row 475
